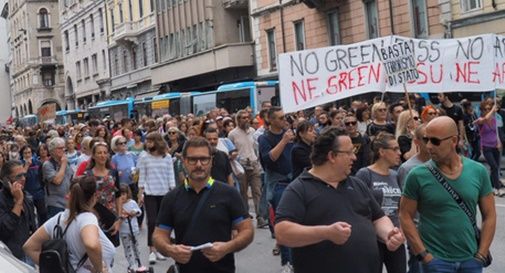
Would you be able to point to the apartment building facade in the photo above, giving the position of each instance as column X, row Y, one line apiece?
column 36, row 67
column 132, row 46
column 288, row 25
column 85, row 52
column 473, row 17
column 6, row 105
column 202, row 43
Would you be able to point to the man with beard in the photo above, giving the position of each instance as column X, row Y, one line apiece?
column 329, row 218
column 243, row 139
column 201, row 211
column 156, row 178
column 221, row 168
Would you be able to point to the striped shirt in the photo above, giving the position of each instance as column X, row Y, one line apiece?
column 156, row 174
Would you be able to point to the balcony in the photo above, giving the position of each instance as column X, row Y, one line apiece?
column 219, row 58
column 235, row 4
column 48, row 61
column 131, row 78
column 128, row 31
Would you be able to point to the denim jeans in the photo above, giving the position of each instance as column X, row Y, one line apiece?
column 440, row 266
column 492, row 156
column 277, row 194
column 52, row 211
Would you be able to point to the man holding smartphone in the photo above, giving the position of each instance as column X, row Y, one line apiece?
column 17, row 217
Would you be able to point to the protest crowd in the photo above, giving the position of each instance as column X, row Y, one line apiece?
column 332, row 183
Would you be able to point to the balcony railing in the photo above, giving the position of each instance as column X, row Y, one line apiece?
column 129, row 30
column 235, row 4
column 44, row 60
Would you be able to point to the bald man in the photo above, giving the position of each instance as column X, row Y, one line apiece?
column 445, row 240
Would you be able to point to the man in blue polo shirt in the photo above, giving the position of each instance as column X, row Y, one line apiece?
column 222, row 211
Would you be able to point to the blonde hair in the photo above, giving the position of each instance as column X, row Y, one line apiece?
column 376, row 107
column 403, row 122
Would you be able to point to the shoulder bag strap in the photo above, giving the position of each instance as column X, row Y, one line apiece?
column 196, row 213
column 455, row 195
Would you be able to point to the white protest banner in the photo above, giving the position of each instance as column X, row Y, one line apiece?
column 312, row 77
column 399, row 62
column 47, row 112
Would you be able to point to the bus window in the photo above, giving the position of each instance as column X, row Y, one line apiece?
column 234, row 100
column 174, row 108
column 185, row 104
column 266, row 94
column 202, row 104
column 119, row 112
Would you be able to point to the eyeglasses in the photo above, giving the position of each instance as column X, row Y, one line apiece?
column 350, row 123
column 396, row 149
column 19, row 177
column 121, row 143
column 435, row 141
column 203, row 160
column 349, row 153
column 381, row 110
column 172, row 133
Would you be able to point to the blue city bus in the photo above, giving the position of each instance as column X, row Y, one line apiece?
column 113, row 109
column 236, row 96
column 28, row 121
column 70, row 116
column 173, row 103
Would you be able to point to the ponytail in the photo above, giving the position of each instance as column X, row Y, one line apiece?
column 82, row 191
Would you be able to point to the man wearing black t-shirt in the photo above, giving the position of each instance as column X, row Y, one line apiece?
column 220, row 212
column 361, row 144
column 456, row 113
column 330, row 219
column 221, row 167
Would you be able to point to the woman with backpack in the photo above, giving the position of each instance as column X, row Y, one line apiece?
column 89, row 250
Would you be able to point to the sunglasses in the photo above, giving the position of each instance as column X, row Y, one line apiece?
column 121, row 143
column 19, row 176
column 350, row 123
column 203, row 160
column 172, row 133
column 435, row 141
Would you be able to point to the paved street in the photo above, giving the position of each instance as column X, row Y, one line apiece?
column 257, row 258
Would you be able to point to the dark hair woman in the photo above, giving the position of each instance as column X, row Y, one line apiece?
column 300, row 154
column 33, row 185
column 43, row 153
column 108, row 206
column 383, row 181
column 89, row 248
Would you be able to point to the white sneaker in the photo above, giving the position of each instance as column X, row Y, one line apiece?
column 160, row 257
column 495, row 192
column 287, row 268
column 152, row 258
column 501, row 192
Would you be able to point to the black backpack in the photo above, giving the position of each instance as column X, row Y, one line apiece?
column 54, row 257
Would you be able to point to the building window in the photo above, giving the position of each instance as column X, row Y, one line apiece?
column 299, row 35
column 125, row 61
column 43, row 18
column 121, row 19
column 469, row 5
column 155, row 49
column 151, row 4
column 67, row 41
column 272, row 52
column 420, row 18
column 134, row 57
column 104, row 60
column 45, row 49
column 86, row 68
column 112, row 20
column 144, row 53
column 94, row 63
column 83, row 22
column 333, row 28
column 47, row 78
column 371, row 18
column 116, row 64
column 92, row 25
column 78, row 70
column 100, row 20
column 130, row 10
column 141, row 8
column 76, row 36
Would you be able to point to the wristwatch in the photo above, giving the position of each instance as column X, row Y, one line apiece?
column 420, row 256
